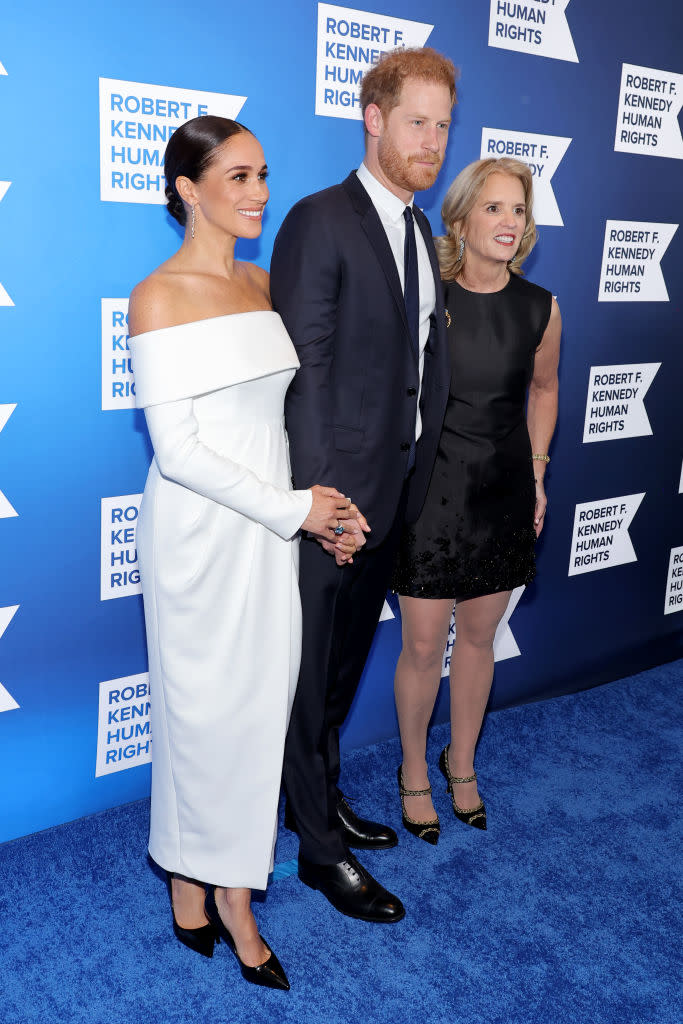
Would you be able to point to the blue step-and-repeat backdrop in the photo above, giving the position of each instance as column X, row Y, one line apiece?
column 589, row 94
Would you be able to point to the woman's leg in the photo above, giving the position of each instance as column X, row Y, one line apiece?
column 471, row 676
column 418, row 674
column 187, row 897
column 234, row 907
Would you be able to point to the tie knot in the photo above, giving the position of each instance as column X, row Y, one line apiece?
column 408, row 214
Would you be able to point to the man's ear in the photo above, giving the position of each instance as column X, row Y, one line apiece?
column 374, row 122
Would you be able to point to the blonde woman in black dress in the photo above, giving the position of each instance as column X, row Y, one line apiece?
column 474, row 540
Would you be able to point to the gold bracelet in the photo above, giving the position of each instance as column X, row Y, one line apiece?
column 541, row 458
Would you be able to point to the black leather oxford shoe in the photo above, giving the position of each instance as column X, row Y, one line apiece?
column 358, row 833
column 352, row 890
column 362, row 834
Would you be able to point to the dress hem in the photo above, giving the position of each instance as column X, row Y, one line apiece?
column 225, row 882
column 429, row 594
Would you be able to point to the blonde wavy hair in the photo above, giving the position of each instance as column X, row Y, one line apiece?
column 459, row 203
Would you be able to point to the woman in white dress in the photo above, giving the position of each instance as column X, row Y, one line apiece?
column 216, row 542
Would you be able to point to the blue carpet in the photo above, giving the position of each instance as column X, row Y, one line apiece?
column 567, row 911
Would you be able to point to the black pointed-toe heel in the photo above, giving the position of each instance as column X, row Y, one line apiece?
column 474, row 816
column 427, row 830
column 269, row 973
column 200, row 940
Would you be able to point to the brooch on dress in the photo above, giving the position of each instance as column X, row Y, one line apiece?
column 448, row 318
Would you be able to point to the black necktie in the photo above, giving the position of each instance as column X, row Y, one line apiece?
column 411, row 288
column 411, row 296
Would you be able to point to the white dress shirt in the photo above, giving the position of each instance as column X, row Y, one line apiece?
column 390, row 211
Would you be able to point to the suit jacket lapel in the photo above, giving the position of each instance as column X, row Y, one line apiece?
column 372, row 226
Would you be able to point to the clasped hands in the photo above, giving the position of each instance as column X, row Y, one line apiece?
column 330, row 510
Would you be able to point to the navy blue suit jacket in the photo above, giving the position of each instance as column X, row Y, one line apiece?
column 350, row 410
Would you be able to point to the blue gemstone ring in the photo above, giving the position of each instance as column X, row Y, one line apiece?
column 339, row 529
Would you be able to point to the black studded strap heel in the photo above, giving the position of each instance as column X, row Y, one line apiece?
column 474, row 816
column 427, row 830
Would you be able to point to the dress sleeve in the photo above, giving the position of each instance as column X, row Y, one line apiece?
column 183, row 458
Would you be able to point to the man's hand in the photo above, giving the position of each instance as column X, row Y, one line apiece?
column 345, row 546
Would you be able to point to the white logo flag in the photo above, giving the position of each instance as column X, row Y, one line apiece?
column 614, row 406
column 124, row 729
column 118, row 385
column 119, row 572
column 601, row 539
column 5, row 300
column 5, row 413
column 673, row 600
column 136, row 122
column 349, row 43
column 7, row 701
column 647, row 118
column 7, row 511
column 386, row 615
column 631, row 256
column 536, row 26
column 2, row 69
column 542, row 153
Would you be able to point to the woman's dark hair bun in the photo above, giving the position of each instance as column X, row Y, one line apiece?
column 174, row 205
column 189, row 152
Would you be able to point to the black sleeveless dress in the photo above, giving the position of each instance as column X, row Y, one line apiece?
column 475, row 534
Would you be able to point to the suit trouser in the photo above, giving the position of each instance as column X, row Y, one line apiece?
column 341, row 608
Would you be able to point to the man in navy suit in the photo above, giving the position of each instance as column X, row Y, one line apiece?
column 354, row 276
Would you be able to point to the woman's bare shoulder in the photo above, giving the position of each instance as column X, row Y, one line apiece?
column 158, row 301
column 174, row 294
column 257, row 273
column 258, row 277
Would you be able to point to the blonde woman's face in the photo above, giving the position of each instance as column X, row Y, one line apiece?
column 493, row 231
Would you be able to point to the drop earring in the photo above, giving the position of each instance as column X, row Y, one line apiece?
column 461, row 249
column 193, row 221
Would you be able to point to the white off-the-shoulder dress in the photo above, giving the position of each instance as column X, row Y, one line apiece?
column 218, row 564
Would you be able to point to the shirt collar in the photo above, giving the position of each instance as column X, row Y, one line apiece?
column 381, row 197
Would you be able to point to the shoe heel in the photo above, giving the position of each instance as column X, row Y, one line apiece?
column 443, row 768
column 269, row 974
column 429, row 831
column 474, row 816
column 199, row 940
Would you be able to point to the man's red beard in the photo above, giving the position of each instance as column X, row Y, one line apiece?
column 406, row 172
